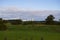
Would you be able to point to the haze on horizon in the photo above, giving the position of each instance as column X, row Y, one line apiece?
column 29, row 9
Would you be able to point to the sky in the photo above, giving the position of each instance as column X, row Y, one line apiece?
column 29, row 9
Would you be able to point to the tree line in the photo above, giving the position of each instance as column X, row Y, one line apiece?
column 48, row 21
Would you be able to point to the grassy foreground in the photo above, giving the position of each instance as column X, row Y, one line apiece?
column 31, row 32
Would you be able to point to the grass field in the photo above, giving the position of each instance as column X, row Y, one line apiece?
column 31, row 32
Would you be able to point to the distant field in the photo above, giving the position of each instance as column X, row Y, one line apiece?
column 31, row 32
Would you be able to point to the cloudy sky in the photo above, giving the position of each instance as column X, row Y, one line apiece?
column 29, row 9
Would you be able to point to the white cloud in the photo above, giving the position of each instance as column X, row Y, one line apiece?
column 27, row 14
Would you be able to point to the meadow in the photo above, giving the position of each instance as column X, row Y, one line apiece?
column 31, row 32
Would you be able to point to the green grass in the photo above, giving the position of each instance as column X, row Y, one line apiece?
column 31, row 32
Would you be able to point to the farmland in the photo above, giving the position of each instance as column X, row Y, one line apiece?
column 31, row 32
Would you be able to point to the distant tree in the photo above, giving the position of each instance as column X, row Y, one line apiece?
column 59, row 22
column 50, row 19
column 1, row 21
column 15, row 21
column 5, row 21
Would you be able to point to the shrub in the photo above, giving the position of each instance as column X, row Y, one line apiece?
column 2, row 25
